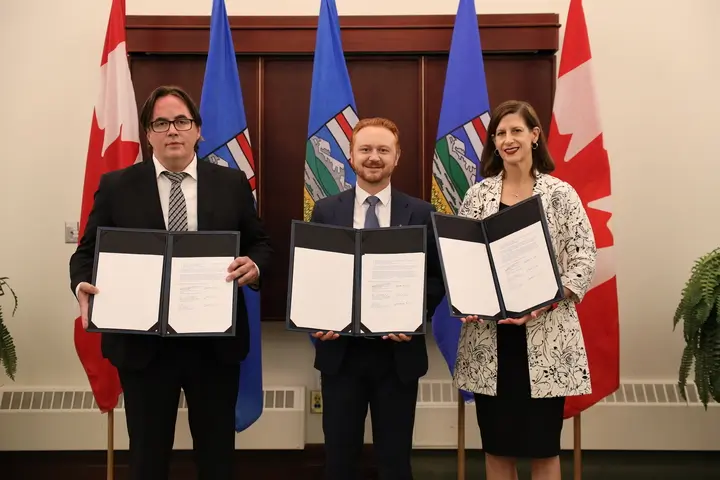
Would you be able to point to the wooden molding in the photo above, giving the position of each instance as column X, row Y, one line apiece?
column 267, row 35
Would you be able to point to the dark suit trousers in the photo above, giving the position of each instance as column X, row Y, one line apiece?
column 368, row 377
column 151, row 402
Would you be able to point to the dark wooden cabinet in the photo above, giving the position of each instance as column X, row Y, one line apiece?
column 397, row 69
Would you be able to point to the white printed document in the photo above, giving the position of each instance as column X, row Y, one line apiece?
column 357, row 282
column 502, row 266
column 155, row 282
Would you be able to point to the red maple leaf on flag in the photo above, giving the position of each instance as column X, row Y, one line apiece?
column 114, row 144
column 576, row 144
column 589, row 173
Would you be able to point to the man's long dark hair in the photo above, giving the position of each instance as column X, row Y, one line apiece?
column 163, row 91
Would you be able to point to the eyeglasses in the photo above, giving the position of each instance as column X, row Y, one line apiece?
column 181, row 124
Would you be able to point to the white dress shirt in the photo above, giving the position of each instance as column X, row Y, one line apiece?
column 382, row 209
column 188, row 187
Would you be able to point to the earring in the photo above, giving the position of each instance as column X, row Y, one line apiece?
column 496, row 152
column 534, row 146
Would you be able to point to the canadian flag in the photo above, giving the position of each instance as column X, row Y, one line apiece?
column 576, row 145
column 114, row 144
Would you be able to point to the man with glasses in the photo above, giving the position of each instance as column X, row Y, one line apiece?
column 175, row 191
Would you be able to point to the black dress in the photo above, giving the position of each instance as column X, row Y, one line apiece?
column 512, row 424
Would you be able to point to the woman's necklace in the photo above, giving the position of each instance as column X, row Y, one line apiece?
column 520, row 188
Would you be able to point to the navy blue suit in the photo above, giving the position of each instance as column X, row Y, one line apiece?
column 384, row 374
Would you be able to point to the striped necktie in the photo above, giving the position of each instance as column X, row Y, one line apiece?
column 177, row 210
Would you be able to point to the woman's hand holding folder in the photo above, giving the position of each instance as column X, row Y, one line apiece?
column 522, row 320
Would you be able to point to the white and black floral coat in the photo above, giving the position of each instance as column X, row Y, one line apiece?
column 556, row 350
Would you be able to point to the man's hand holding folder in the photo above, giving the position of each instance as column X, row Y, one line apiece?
column 397, row 338
column 332, row 336
column 84, row 290
column 244, row 270
column 241, row 269
column 357, row 282
column 326, row 335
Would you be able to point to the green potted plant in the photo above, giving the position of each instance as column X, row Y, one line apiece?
column 8, row 357
column 699, row 309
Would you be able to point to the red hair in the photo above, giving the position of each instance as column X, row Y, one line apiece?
column 377, row 122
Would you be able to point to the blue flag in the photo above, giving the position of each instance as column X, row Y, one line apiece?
column 462, row 131
column 227, row 142
column 332, row 115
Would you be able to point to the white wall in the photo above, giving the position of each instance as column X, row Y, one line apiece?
column 656, row 64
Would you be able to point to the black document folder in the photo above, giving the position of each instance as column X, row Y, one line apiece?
column 155, row 282
column 500, row 267
column 357, row 282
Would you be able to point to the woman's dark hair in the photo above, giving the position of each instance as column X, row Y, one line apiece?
column 163, row 91
column 491, row 164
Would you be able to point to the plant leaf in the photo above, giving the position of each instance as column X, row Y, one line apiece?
column 8, row 356
column 699, row 310
column 685, row 365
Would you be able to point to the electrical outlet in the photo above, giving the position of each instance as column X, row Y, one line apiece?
column 316, row 401
column 71, row 232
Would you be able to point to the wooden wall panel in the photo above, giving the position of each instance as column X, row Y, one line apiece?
column 390, row 87
column 275, row 67
column 286, row 104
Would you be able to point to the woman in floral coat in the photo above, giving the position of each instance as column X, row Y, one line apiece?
column 521, row 369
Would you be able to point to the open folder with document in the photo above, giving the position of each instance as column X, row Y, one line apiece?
column 357, row 282
column 164, row 283
column 500, row 267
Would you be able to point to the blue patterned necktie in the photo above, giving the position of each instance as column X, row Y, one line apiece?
column 371, row 220
column 177, row 210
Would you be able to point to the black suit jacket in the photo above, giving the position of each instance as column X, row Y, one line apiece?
column 129, row 198
column 411, row 359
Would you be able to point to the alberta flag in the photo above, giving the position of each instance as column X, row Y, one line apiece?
column 464, row 115
column 227, row 142
column 332, row 115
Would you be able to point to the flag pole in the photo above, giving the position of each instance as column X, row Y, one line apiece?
column 577, row 460
column 110, row 445
column 461, row 437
